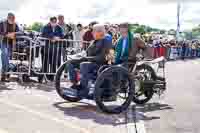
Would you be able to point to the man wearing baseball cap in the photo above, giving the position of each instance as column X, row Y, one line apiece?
column 8, row 31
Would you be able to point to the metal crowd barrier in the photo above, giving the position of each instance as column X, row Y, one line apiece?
column 35, row 57
column 51, row 54
column 173, row 52
column 16, row 55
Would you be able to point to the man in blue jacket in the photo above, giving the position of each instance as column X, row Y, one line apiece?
column 51, row 53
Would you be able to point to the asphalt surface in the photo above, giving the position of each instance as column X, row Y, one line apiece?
column 179, row 110
column 36, row 108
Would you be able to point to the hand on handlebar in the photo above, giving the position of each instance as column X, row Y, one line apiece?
column 11, row 35
column 55, row 39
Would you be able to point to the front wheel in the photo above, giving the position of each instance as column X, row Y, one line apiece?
column 62, row 82
column 111, row 85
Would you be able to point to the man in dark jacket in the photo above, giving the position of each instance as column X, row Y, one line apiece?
column 51, row 53
column 97, row 53
column 8, row 31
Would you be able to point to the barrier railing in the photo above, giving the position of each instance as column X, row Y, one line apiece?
column 42, row 56
column 35, row 57
column 16, row 55
column 52, row 53
column 174, row 52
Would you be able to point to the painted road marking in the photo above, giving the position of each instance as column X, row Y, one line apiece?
column 3, row 131
column 44, row 116
column 135, row 124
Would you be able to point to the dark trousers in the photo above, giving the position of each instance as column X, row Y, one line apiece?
column 183, row 53
column 51, row 59
column 88, row 71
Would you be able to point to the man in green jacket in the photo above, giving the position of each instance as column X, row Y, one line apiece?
column 127, row 46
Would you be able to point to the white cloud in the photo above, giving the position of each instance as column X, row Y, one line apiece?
column 156, row 13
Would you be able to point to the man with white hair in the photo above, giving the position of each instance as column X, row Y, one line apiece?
column 97, row 52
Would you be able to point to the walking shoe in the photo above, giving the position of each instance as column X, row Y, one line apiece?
column 3, row 78
column 72, row 91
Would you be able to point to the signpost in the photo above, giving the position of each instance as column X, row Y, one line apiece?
column 178, row 19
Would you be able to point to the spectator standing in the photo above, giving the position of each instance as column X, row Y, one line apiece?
column 78, row 35
column 51, row 53
column 8, row 31
column 108, row 34
column 183, row 53
column 62, row 24
column 156, row 44
column 88, row 36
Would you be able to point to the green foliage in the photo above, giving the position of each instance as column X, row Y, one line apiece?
column 37, row 26
column 195, row 33
column 142, row 29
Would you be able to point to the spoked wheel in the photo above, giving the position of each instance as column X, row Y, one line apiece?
column 143, row 93
column 111, row 93
column 63, row 84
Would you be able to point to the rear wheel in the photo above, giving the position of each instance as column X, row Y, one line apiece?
column 109, row 94
column 142, row 93
column 62, row 83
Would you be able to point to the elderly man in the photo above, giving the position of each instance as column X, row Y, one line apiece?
column 8, row 31
column 97, row 52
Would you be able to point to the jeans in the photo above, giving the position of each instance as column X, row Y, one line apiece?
column 179, row 52
column 193, row 53
column 88, row 72
column 5, row 56
column 168, row 52
column 183, row 52
column 71, row 67
column 198, row 52
column 189, row 52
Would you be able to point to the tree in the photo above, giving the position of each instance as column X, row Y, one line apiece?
column 37, row 26
column 149, row 29
column 172, row 32
column 140, row 30
column 162, row 31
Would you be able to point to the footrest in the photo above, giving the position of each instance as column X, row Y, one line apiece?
column 71, row 92
column 17, row 53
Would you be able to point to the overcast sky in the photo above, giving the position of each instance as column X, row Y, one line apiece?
column 155, row 13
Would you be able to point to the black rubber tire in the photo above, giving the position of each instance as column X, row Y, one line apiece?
column 25, row 78
column 99, row 91
column 40, row 78
column 148, row 92
column 57, row 84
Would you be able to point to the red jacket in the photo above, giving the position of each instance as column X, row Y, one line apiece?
column 88, row 36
